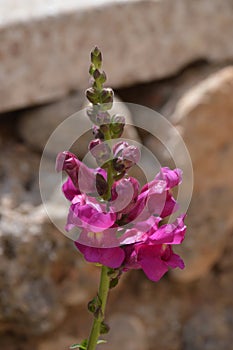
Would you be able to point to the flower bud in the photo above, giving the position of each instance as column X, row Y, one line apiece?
column 99, row 77
column 117, row 125
column 96, row 74
column 103, row 118
column 118, row 148
column 118, row 119
column 100, row 150
column 118, row 165
column 92, row 96
column 130, row 156
column 101, row 184
column 98, row 117
column 97, row 132
column 107, row 95
column 96, row 57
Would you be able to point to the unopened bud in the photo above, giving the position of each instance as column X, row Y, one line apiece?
column 130, row 156
column 96, row 74
column 117, row 125
column 96, row 57
column 100, row 150
column 92, row 96
column 119, row 147
column 97, row 132
column 103, row 118
column 91, row 69
column 107, row 95
column 101, row 184
column 118, row 165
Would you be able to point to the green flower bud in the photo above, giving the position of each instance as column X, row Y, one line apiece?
column 107, row 95
column 104, row 328
column 92, row 95
column 91, row 69
column 117, row 126
column 96, row 57
column 96, row 74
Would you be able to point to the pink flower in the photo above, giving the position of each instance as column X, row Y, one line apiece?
column 155, row 260
column 125, row 232
column 155, row 197
column 154, row 256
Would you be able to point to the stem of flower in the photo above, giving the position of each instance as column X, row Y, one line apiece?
column 99, row 318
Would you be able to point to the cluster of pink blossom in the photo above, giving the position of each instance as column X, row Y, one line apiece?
column 125, row 229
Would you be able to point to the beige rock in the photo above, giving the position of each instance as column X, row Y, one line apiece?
column 127, row 331
column 44, row 46
column 205, row 116
column 208, row 233
column 18, row 173
column 209, row 328
column 41, row 272
column 58, row 342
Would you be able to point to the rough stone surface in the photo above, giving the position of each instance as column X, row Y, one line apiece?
column 19, row 180
column 44, row 46
column 127, row 330
column 209, row 328
column 58, row 342
column 41, row 272
column 204, row 115
column 37, row 125
column 209, row 222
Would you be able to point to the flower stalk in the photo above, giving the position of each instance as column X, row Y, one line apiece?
column 98, row 321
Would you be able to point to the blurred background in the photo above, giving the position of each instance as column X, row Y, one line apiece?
column 174, row 56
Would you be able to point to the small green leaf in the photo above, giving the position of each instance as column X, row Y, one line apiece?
column 81, row 346
column 104, row 328
column 91, row 69
column 92, row 305
column 101, row 341
column 114, row 282
column 96, row 57
column 78, row 346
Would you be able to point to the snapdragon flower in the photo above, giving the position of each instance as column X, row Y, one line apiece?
column 121, row 226
column 148, row 243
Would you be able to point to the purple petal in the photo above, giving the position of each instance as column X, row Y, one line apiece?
column 86, row 216
column 111, row 257
column 170, row 206
column 83, row 178
column 151, row 263
column 69, row 190
column 172, row 177
column 170, row 233
column 175, row 261
column 154, row 268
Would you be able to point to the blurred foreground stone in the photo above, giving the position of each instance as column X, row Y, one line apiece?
column 45, row 45
column 204, row 116
column 41, row 273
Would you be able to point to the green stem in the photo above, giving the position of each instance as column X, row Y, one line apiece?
column 103, row 295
